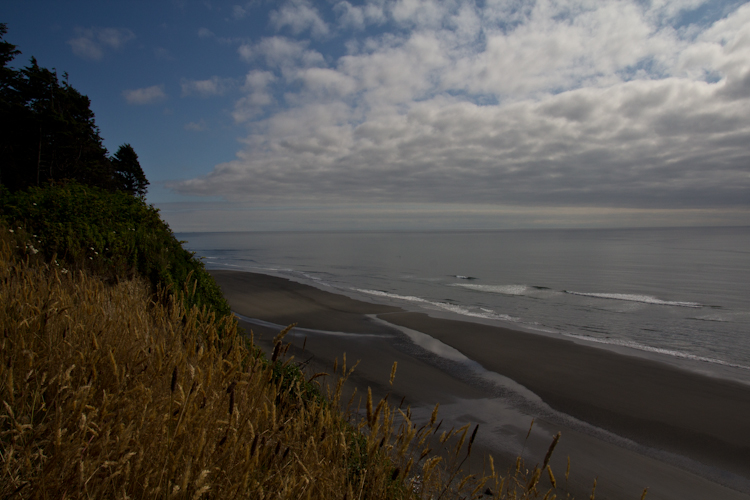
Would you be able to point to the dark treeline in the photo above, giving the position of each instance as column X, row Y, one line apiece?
column 48, row 133
column 65, row 200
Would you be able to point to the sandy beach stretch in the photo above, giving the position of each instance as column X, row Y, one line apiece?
column 630, row 422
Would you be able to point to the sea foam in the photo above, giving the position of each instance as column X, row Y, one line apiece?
column 463, row 311
column 646, row 299
column 503, row 289
column 658, row 350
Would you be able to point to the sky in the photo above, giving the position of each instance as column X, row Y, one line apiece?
column 415, row 114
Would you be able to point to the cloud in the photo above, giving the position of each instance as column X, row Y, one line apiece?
column 568, row 103
column 257, row 96
column 92, row 43
column 324, row 81
column 189, row 217
column 148, row 95
column 238, row 12
column 205, row 33
column 358, row 17
column 588, row 147
column 214, row 86
column 198, row 126
column 419, row 13
column 299, row 16
column 281, row 52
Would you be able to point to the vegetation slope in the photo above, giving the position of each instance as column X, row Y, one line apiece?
column 114, row 387
column 123, row 373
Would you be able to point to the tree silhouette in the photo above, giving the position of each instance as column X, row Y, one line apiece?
column 8, row 52
column 48, row 133
column 128, row 173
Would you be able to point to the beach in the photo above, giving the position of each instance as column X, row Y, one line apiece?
column 628, row 421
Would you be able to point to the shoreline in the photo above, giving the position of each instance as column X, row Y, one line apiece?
column 671, row 412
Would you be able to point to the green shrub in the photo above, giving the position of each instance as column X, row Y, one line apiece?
column 112, row 234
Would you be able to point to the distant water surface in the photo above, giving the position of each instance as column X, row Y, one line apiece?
column 683, row 293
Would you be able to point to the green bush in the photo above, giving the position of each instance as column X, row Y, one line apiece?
column 112, row 234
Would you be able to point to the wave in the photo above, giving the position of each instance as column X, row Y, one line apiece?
column 273, row 269
column 502, row 289
column 379, row 293
column 484, row 314
column 659, row 350
column 712, row 319
column 438, row 348
column 315, row 279
column 723, row 316
column 517, row 290
column 646, row 299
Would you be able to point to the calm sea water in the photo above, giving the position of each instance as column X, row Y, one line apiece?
column 683, row 293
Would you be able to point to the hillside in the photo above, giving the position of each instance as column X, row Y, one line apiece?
column 120, row 381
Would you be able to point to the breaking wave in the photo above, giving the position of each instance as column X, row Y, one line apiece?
column 502, row 289
column 463, row 311
column 658, row 350
column 646, row 299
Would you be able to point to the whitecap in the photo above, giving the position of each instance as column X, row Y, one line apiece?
column 502, row 289
column 379, row 293
column 646, row 299
column 456, row 309
column 659, row 350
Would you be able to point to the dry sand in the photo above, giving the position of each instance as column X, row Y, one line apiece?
column 677, row 432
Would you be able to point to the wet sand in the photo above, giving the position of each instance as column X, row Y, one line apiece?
column 683, row 432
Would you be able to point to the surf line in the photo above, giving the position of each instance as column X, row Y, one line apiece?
column 443, row 350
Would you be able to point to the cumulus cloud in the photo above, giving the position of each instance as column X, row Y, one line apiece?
column 214, row 86
column 358, row 17
column 608, row 103
column 299, row 16
column 257, row 96
column 92, row 43
column 198, row 126
column 324, row 81
column 147, row 95
column 238, row 12
column 420, row 13
column 611, row 147
column 281, row 52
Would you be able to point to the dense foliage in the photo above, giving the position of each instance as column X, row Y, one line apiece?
column 48, row 133
column 113, row 235
column 66, row 198
column 109, row 394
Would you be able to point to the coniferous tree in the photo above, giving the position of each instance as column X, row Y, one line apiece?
column 48, row 133
column 129, row 175
column 9, row 105
column 8, row 52
column 51, row 134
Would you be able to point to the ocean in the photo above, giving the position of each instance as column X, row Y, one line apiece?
column 681, row 295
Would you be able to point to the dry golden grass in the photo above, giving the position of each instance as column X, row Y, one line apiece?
column 108, row 393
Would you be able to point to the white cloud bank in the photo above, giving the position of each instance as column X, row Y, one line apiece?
column 568, row 103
